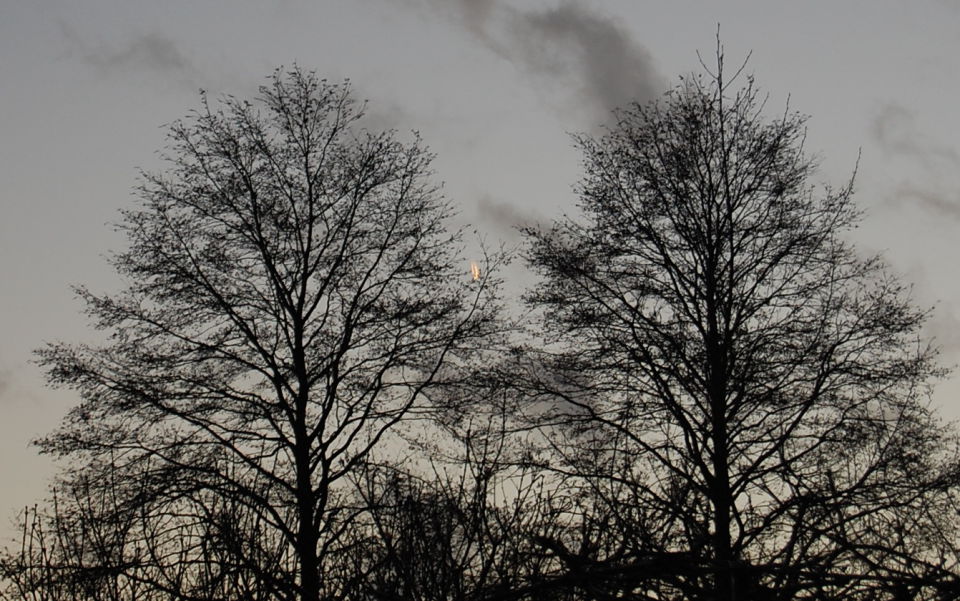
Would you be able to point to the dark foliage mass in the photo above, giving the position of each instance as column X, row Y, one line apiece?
column 304, row 395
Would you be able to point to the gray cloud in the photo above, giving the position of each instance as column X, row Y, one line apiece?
column 475, row 14
column 507, row 217
column 943, row 328
column 932, row 187
column 564, row 48
column 576, row 46
column 382, row 115
column 931, row 197
column 152, row 53
column 895, row 128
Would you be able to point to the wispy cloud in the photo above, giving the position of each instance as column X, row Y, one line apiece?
column 506, row 217
column 573, row 45
column 943, row 328
column 895, row 128
column 150, row 53
column 567, row 50
column 933, row 165
column 931, row 196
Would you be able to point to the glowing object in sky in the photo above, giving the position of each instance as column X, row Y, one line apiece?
column 474, row 271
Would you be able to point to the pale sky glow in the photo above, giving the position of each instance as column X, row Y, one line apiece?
column 494, row 87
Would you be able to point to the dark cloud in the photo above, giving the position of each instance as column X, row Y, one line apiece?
column 382, row 114
column 10, row 392
column 506, row 216
column 579, row 47
column 895, row 128
column 475, row 14
column 943, row 328
column 933, row 198
column 563, row 49
column 933, row 183
column 152, row 53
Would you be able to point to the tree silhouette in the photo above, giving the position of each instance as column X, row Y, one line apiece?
column 291, row 296
column 461, row 535
column 743, row 397
column 729, row 402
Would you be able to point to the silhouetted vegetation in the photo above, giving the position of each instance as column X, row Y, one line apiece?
column 293, row 295
column 736, row 391
column 306, row 396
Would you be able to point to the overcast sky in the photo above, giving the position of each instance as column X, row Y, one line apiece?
column 494, row 87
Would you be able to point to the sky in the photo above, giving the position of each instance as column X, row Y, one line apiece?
column 496, row 88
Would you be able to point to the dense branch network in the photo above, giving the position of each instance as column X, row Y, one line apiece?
column 304, row 396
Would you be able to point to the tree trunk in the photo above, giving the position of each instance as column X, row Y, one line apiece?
column 307, row 533
column 721, row 497
column 722, row 547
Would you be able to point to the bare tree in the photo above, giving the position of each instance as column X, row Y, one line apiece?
column 445, row 539
column 292, row 295
column 66, row 556
column 91, row 543
column 740, row 394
